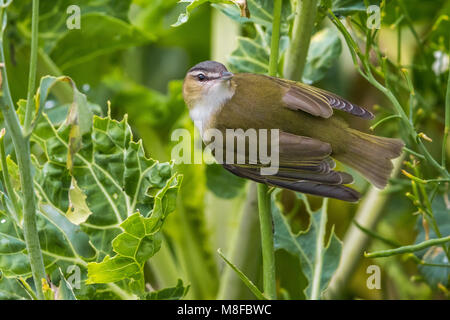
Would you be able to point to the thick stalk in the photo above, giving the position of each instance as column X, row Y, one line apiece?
column 268, row 253
column 33, row 66
column 301, row 37
column 22, row 149
column 265, row 214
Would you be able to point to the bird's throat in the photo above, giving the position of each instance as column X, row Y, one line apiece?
column 204, row 110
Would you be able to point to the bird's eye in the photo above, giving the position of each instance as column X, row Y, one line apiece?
column 201, row 77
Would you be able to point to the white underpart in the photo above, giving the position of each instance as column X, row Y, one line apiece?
column 203, row 111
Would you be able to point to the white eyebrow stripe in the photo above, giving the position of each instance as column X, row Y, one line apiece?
column 210, row 75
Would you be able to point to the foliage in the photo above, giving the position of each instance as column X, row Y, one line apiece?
column 318, row 257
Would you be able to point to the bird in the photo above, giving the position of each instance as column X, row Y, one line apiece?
column 312, row 131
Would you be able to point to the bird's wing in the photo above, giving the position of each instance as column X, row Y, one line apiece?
column 318, row 102
column 305, row 166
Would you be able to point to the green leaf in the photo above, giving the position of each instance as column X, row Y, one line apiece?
column 100, row 34
column 244, row 278
column 184, row 17
column 324, row 50
column 435, row 255
column 252, row 55
column 11, row 289
column 138, row 242
column 110, row 180
column 60, row 241
column 223, row 183
column 175, row 293
column 318, row 259
column 261, row 13
column 65, row 290
column 347, row 7
column 78, row 211
column 53, row 15
column 110, row 169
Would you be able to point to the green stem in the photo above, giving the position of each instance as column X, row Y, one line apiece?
column 7, row 180
column 22, row 149
column 33, row 66
column 265, row 214
column 275, row 40
column 268, row 251
column 317, row 276
column 377, row 236
column 302, row 31
column 408, row 249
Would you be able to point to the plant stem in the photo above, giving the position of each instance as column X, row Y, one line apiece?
column 275, row 40
column 408, row 249
column 22, row 149
column 317, row 275
column 265, row 214
column 302, row 31
column 33, row 65
column 268, row 251
column 7, row 180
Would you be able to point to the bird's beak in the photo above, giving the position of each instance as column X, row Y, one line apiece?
column 226, row 76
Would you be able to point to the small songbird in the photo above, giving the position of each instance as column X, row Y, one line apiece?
column 311, row 132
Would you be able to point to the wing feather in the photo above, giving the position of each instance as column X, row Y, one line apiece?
column 305, row 166
column 318, row 102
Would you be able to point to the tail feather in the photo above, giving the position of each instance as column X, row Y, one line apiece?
column 371, row 156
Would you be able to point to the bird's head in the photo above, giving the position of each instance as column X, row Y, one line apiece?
column 208, row 82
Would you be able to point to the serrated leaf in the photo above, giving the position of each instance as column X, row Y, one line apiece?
column 174, row 293
column 110, row 169
column 324, row 50
column 252, row 55
column 318, row 259
column 114, row 179
column 138, row 242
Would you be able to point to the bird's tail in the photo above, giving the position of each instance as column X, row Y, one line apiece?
column 371, row 156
